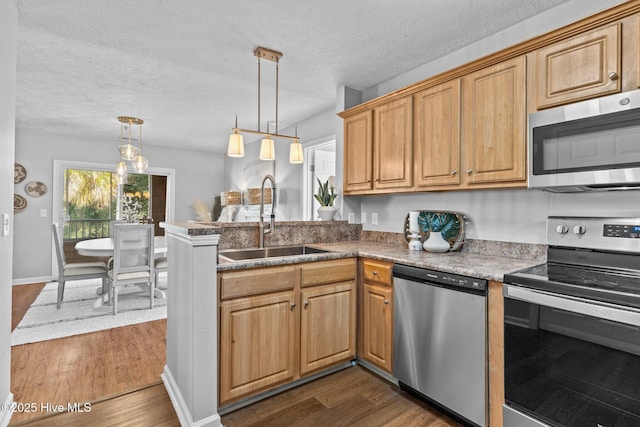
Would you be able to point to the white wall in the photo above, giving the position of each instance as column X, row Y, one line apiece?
column 8, row 37
column 198, row 175
column 508, row 215
column 288, row 177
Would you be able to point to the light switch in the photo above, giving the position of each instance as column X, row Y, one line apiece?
column 374, row 218
column 363, row 217
column 5, row 224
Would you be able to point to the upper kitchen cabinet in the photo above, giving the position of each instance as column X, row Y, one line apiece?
column 393, row 145
column 493, row 125
column 437, row 135
column 358, row 152
column 581, row 67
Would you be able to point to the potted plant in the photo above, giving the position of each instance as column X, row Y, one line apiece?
column 326, row 196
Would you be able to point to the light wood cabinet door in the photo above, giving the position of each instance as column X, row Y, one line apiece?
column 378, row 325
column 437, row 135
column 328, row 323
column 494, row 124
column 257, row 338
column 358, row 152
column 393, row 144
column 581, row 67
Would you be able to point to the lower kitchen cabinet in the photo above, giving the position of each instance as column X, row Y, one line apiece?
column 327, row 331
column 376, row 317
column 378, row 321
column 257, row 337
column 280, row 323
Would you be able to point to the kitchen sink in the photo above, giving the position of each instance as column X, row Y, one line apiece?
column 272, row 252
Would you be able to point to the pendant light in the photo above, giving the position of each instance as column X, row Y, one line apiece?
column 128, row 151
column 236, row 143
column 267, row 147
column 296, row 155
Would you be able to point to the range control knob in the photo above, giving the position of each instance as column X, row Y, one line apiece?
column 579, row 229
column 562, row 229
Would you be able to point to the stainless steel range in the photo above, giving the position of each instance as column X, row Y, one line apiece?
column 572, row 328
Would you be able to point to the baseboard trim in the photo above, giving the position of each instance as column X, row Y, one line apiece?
column 30, row 280
column 180, row 406
column 5, row 416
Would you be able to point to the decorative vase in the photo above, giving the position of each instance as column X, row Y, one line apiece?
column 326, row 213
column 436, row 243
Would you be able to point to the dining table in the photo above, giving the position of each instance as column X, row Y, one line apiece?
column 103, row 247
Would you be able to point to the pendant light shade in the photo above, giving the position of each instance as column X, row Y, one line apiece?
column 140, row 163
column 267, row 149
column 295, row 153
column 128, row 151
column 121, row 172
column 236, row 145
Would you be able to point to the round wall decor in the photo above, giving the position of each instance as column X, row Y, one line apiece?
column 19, row 173
column 19, row 203
column 35, row 188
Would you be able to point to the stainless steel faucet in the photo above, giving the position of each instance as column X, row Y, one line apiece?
column 272, row 221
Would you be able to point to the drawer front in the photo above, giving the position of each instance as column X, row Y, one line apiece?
column 378, row 272
column 258, row 281
column 317, row 273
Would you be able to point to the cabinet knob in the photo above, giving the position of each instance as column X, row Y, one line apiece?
column 454, row 172
column 613, row 76
column 375, row 273
column 306, row 303
column 293, row 305
column 386, row 301
column 469, row 171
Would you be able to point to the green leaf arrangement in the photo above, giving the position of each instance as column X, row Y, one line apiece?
column 446, row 223
column 326, row 195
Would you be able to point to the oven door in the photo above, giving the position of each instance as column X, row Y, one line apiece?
column 569, row 361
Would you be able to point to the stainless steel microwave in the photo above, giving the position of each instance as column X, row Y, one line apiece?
column 586, row 146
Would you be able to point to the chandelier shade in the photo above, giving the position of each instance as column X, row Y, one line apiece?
column 296, row 155
column 267, row 149
column 236, row 145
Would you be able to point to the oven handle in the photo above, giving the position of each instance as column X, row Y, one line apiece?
column 600, row 310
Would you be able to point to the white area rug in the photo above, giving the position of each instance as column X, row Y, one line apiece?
column 43, row 321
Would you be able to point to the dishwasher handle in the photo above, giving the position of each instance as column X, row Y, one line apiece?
column 441, row 279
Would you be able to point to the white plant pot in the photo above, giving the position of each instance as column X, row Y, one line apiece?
column 436, row 243
column 326, row 213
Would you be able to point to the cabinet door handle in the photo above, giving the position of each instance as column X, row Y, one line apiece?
column 454, row 172
column 306, row 303
column 613, row 76
column 386, row 301
column 469, row 171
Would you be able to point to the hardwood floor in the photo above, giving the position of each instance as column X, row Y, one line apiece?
column 118, row 371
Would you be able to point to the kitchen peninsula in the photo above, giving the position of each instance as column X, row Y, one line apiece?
column 196, row 273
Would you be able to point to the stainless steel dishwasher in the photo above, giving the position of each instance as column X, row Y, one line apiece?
column 440, row 340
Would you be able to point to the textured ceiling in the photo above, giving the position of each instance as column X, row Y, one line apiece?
column 186, row 67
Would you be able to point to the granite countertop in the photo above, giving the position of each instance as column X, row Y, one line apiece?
column 463, row 263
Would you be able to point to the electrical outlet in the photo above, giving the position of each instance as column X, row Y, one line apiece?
column 43, row 213
column 363, row 217
column 352, row 218
column 374, row 218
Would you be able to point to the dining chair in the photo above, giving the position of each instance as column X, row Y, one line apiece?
column 161, row 265
column 133, row 260
column 75, row 270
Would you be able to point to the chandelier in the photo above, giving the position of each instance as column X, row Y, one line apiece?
column 267, row 147
column 129, row 153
